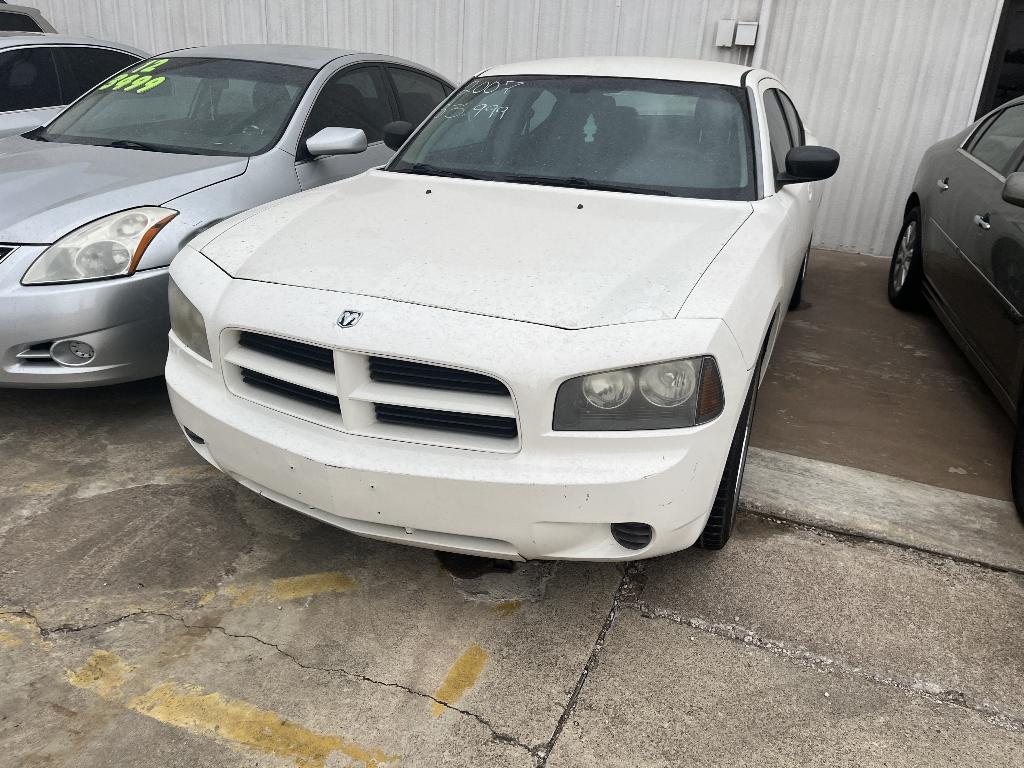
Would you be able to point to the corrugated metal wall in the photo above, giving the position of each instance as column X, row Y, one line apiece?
column 878, row 79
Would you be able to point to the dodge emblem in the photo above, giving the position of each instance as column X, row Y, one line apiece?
column 349, row 318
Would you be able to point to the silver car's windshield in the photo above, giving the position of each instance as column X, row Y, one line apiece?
column 632, row 135
column 189, row 105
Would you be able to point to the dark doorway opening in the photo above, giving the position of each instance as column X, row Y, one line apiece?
column 1004, row 79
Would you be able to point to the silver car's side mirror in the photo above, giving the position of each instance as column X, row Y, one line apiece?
column 336, row 141
column 1013, row 189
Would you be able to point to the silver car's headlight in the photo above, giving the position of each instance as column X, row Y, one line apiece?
column 669, row 395
column 187, row 322
column 108, row 247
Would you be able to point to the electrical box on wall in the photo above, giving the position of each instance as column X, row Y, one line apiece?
column 746, row 32
column 726, row 31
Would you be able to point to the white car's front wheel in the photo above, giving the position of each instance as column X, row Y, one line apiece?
column 722, row 520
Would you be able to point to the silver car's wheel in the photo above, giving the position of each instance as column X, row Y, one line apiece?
column 906, row 269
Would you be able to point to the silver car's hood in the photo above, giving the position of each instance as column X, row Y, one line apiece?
column 49, row 189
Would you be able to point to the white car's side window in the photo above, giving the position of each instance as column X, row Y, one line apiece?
column 778, row 130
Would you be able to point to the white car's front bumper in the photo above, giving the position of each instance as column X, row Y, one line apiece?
column 547, row 494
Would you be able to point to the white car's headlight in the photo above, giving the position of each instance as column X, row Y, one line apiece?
column 669, row 395
column 108, row 247
column 187, row 322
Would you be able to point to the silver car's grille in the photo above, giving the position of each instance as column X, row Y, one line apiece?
column 371, row 395
column 6, row 250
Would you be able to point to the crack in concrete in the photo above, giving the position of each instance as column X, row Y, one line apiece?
column 930, row 691
column 848, row 534
column 627, row 593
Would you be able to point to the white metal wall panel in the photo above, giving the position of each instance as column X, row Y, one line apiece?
column 456, row 37
column 878, row 79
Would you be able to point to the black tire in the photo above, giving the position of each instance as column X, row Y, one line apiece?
column 906, row 269
column 798, row 290
column 1017, row 470
column 723, row 512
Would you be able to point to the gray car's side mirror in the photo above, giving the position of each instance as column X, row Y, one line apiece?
column 809, row 163
column 336, row 141
column 1013, row 189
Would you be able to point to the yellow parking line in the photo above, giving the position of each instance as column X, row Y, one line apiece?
column 283, row 590
column 8, row 639
column 241, row 723
column 104, row 673
column 233, row 721
column 25, row 623
column 507, row 607
column 461, row 677
column 298, row 587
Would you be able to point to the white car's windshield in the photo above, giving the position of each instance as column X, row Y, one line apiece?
column 631, row 135
column 188, row 105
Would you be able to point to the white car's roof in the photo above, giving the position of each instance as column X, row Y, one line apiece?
column 644, row 67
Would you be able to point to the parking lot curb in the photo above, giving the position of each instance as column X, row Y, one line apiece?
column 888, row 509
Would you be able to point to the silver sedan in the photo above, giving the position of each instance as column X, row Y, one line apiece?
column 98, row 202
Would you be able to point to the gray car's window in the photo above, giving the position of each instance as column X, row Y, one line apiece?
column 82, row 67
column 1000, row 139
column 28, row 79
column 189, row 105
column 11, row 21
column 644, row 136
column 417, row 94
column 353, row 98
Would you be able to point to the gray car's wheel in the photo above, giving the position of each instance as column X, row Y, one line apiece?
column 722, row 520
column 905, row 270
column 1017, row 470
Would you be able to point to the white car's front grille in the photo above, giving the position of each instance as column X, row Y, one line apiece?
column 371, row 395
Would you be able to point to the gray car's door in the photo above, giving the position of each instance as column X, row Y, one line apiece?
column 994, row 305
column 355, row 97
column 975, row 169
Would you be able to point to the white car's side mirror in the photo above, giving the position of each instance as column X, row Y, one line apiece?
column 336, row 141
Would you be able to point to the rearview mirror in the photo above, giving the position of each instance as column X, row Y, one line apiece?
column 396, row 133
column 1013, row 189
column 336, row 141
column 809, row 164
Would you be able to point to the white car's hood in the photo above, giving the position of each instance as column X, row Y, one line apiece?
column 560, row 257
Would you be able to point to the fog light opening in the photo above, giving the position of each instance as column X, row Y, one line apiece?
column 72, row 352
column 632, row 535
column 193, row 436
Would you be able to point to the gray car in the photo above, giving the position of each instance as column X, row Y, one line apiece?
column 961, row 249
column 97, row 203
column 40, row 74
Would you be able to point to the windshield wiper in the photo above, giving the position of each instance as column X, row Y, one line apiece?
column 132, row 144
column 426, row 169
column 578, row 182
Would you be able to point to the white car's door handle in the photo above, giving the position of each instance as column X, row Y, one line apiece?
column 982, row 221
column 942, row 184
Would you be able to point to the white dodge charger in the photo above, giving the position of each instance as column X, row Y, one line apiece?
column 538, row 332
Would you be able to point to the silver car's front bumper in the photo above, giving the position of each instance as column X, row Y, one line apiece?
column 125, row 320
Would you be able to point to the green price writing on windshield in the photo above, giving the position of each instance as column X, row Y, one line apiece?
column 138, row 80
